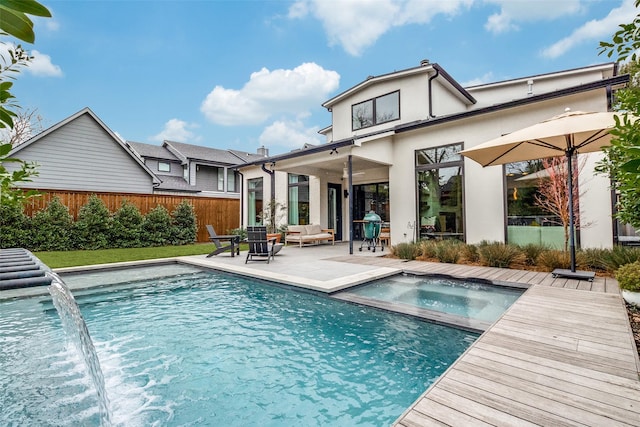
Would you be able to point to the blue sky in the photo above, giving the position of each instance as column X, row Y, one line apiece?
column 241, row 74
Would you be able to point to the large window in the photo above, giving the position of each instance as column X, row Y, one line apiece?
column 439, row 187
column 376, row 111
column 298, row 199
column 537, row 200
column 256, row 196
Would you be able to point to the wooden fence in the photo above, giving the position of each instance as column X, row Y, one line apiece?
column 223, row 214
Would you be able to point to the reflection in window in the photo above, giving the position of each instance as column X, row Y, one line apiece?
column 376, row 111
column 255, row 198
column 439, row 178
column 537, row 202
column 298, row 199
column 164, row 167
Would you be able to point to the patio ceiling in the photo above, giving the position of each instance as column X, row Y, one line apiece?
column 324, row 163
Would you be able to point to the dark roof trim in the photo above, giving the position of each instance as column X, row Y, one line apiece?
column 300, row 153
column 454, row 83
column 617, row 80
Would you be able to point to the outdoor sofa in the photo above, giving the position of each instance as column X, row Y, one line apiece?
column 312, row 234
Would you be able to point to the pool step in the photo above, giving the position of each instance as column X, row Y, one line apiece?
column 19, row 268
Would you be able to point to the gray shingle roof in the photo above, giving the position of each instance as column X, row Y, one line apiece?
column 153, row 151
column 214, row 155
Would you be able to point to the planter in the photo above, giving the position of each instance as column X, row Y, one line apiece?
column 278, row 236
column 631, row 297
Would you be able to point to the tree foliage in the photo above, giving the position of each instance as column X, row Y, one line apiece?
column 14, row 21
column 622, row 162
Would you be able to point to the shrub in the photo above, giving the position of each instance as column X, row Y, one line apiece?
column 52, row 228
column 628, row 276
column 449, row 251
column 552, row 259
column 408, row 251
column 92, row 226
column 156, row 227
column 470, row 253
column 531, row 252
column 619, row 256
column 499, row 254
column 428, row 248
column 242, row 232
column 184, row 224
column 126, row 226
column 594, row 259
column 14, row 225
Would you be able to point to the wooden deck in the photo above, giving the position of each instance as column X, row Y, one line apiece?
column 562, row 355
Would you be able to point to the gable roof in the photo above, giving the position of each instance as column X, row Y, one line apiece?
column 196, row 152
column 424, row 68
column 152, row 151
column 85, row 111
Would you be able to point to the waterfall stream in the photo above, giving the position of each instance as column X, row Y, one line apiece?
column 76, row 329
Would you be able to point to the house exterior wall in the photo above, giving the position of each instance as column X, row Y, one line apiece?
column 176, row 168
column 390, row 156
column 414, row 103
column 82, row 156
column 491, row 94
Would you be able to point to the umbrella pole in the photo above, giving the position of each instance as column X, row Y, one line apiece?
column 572, row 243
column 572, row 273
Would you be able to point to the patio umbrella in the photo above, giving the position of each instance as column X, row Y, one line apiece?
column 566, row 134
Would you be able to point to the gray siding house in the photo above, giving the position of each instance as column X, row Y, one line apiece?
column 186, row 168
column 81, row 153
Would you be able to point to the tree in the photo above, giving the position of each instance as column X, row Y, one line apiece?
column 26, row 124
column 553, row 193
column 14, row 21
column 622, row 162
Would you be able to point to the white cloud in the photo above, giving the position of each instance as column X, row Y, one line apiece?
column 290, row 134
column 593, row 30
column 357, row 24
column 41, row 65
column 527, row 11
column 271, row 92
column 486, row 78
column 176, row 130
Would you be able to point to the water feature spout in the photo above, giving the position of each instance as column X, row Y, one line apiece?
column 76, row 329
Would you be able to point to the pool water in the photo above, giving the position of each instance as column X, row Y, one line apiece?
column 483, row 303
column 206, row 348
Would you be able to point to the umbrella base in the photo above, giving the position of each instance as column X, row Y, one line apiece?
column 578, row 274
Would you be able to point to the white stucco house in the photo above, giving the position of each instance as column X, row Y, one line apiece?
column 393, row 147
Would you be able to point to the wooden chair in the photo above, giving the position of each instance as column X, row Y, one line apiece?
column 233, row 245
column 259, row 245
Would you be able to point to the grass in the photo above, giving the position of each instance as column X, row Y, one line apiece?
column 60, row 259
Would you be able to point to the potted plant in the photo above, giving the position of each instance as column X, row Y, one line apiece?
column 272, row 216
column 628, row 277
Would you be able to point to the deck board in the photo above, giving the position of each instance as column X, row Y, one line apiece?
column 557, row 357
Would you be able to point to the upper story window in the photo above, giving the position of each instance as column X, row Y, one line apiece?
column 164, row 167
column 375, row 111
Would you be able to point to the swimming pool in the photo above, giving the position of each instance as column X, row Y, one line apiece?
column 207, row 348
column 468, row 304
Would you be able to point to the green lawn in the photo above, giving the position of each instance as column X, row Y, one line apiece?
column 60, row 259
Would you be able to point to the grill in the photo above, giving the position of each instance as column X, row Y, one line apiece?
column 371, row 227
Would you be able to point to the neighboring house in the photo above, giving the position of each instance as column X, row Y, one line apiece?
column 81, row 153
column 186, row 168
column 393, row 145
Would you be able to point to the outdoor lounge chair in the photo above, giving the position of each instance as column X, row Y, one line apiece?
column 260, row 245
column 233, row 245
